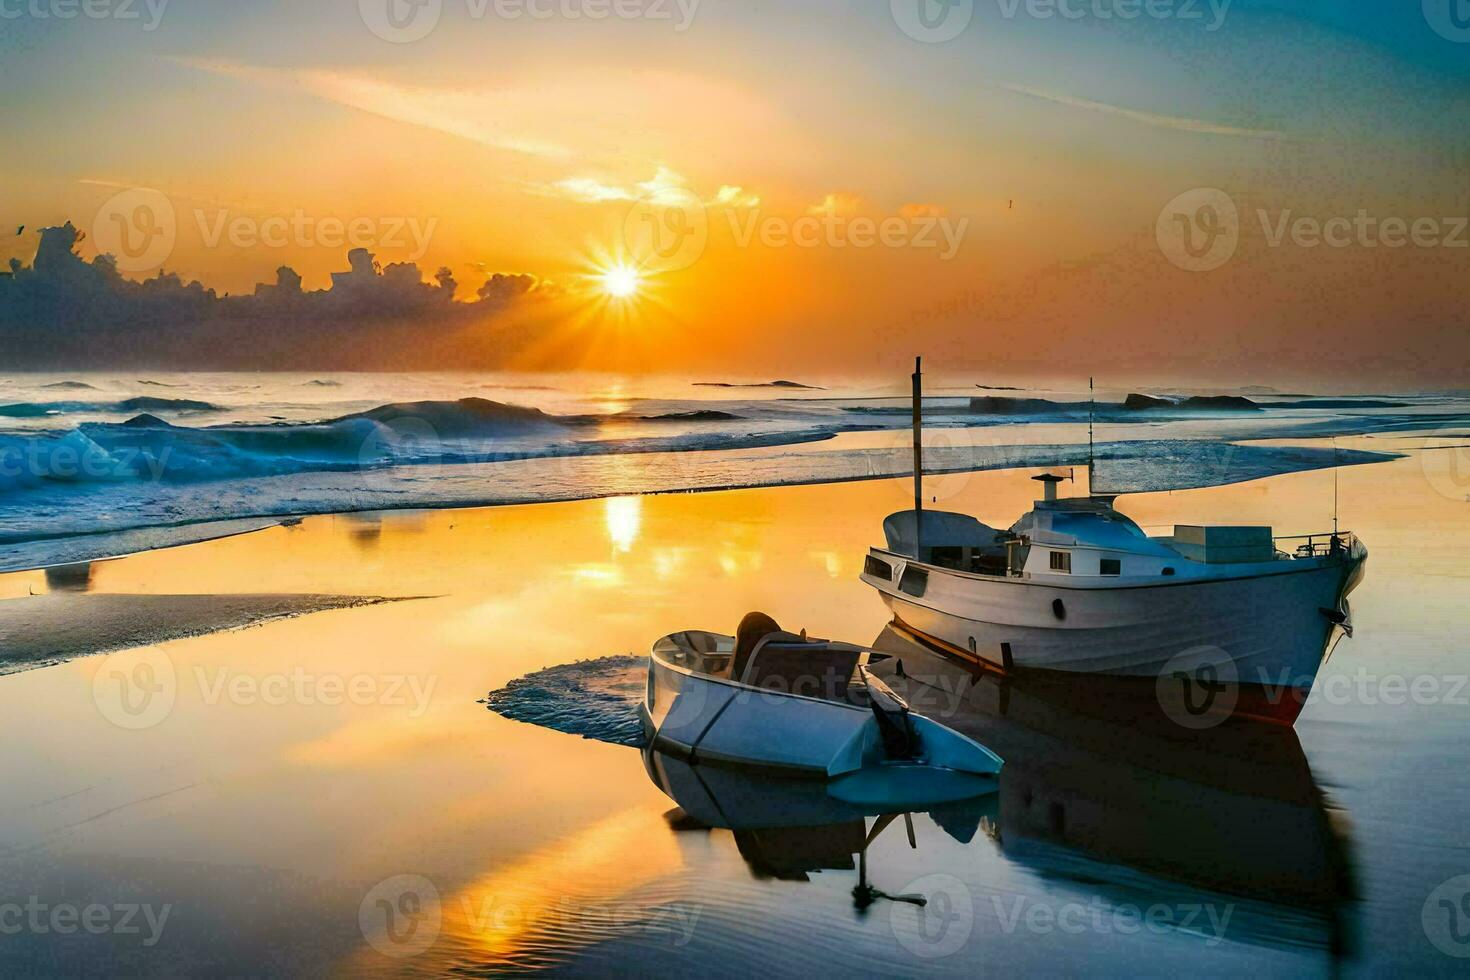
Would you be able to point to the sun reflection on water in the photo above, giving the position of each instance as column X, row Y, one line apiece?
column 624, row 521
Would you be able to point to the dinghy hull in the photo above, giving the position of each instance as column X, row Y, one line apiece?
column 692, row 716
column 701, row 717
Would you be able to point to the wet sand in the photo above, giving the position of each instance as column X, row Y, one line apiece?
column 271, row 786
column 45, row 630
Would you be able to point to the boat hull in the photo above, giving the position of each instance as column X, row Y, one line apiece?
column 1256, row 642
column 692, row 716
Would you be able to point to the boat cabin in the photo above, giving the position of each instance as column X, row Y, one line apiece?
column 950, row 541
column 1075, row 537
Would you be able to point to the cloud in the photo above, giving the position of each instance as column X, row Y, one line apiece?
column 666, row 187
column 544, row 116
column 730, row 196
column 481, row 116
column 1179, row 123
column 581, row 112
column 64, row 309
column 838, row 202
column 922, row 211
column 591, row 190
column 105, row 182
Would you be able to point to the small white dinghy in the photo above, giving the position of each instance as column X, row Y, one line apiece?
column 784, row 702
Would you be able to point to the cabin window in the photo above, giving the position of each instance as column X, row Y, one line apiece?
column 878, row 568
column 1110, row 566
column 1061, row 561
column 947, row 557
column 915, row 582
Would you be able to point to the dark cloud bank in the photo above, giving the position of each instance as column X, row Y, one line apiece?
column 65, row 312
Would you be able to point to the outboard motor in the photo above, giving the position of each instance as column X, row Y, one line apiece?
column 753, row 628
column 892, row 713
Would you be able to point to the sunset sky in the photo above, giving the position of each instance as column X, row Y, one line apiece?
column 1047, row 148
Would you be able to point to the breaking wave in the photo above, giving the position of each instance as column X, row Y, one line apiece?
column 147, row 447
column 466, row 417
column 38, row 410
column 471, row 430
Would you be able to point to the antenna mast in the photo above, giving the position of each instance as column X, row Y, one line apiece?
column 918, row 457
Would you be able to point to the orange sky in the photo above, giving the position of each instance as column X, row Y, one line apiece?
column 854, row 193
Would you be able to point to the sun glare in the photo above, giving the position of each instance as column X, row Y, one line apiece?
column 621, row 281
column 623, row 310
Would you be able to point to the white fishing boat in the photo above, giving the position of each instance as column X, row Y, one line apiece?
column 792, row 704
column 1220, row 619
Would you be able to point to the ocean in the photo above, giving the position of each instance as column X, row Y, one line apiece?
column 93, row 465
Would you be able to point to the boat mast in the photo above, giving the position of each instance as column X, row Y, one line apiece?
column 1091, row 423
column 918, row 456
column 1336, row 469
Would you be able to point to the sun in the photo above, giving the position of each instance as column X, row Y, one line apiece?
column 621, row 308
column 621, row 282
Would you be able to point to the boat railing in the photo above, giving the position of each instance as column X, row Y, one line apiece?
column 1320, row 545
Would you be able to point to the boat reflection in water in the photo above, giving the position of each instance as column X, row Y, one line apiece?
column 1138, row 808
column 1120, row 808
column 787, row 829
